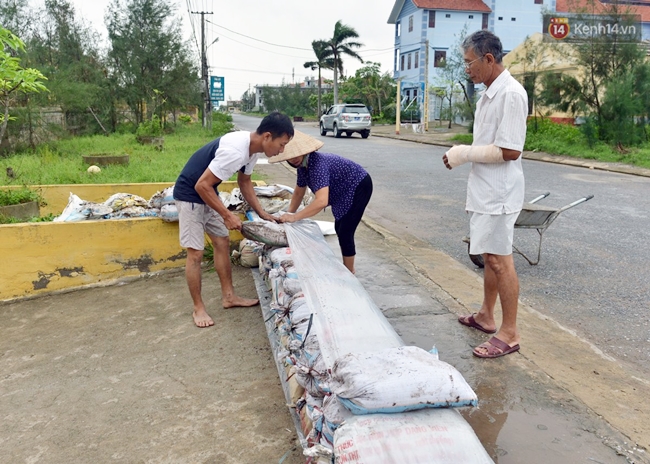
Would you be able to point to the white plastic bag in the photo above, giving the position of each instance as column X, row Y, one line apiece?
column 72, row 211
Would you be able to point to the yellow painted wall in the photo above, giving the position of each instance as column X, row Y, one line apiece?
column 42, row 257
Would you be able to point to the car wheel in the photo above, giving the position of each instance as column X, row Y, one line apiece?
column 348, row 134
column 322, row 129
column 365, row 134
column 337, row 132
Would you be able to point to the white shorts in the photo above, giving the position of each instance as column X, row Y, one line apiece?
column 491, row 233
column 195, row 220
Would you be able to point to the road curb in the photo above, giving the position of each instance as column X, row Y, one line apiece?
column 537, row 156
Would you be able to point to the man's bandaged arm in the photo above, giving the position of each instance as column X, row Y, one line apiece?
column 461, row 154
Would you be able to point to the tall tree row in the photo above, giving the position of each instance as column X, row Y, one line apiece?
column 144, row 68
column 149, row 65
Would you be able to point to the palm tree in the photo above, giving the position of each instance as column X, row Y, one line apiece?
column 339, row 45
column 322, row 52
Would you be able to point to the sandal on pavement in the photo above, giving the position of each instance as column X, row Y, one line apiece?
column 495, row 348
column 469, row 321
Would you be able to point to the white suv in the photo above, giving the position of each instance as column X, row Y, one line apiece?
column 346, row 118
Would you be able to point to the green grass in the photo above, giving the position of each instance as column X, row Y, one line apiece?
column 61, row 162
column 564, row 139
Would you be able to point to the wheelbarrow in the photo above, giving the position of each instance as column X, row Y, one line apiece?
column 532, row 216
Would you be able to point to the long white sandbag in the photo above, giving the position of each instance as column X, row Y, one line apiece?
column 346, row 320
column 428, row 436
column 399, row 379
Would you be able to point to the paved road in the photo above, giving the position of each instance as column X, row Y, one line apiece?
column 594, row 275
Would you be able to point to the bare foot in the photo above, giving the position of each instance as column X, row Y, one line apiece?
column 202, row 319
column 239, row 302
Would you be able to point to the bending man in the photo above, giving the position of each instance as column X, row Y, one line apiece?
column 201, row 211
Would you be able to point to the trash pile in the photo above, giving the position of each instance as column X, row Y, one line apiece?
column 356, row 392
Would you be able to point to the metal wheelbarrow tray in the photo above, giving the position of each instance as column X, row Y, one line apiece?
column 532, row 216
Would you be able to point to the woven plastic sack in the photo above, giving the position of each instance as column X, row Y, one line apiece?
column 169, row 213
column 266, row 232
column 399, row 379
column 438, row 436
column 248, row 256
column 120, row 201
column 162, row 198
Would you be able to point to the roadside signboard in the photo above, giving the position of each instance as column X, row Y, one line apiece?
column 217, row 88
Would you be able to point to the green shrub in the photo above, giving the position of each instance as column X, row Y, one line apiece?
column 150, row 128
column 18, row 196
column 221, row 124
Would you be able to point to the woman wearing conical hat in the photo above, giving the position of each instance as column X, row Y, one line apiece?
column 336, row 181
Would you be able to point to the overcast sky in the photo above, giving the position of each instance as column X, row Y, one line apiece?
column 268, row 41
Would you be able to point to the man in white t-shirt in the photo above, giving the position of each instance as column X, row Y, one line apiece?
column 495, row 188
column 201, row 211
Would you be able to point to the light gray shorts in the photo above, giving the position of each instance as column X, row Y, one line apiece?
column 195, row 220
column 491, row 233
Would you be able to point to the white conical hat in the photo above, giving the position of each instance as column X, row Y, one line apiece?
column 300, row 144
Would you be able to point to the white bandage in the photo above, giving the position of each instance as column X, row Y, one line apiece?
column 461, row 154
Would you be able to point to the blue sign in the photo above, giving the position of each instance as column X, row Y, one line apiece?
column 217, row 88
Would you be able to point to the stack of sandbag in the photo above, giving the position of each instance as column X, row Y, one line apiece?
column 359, row 394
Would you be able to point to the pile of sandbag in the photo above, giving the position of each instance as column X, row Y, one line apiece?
column 274, row 198
column 117, row 206
column 359, row 394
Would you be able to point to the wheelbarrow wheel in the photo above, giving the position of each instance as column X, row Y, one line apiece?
column 476, row 259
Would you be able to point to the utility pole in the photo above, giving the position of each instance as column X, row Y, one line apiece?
column 398, row 107
column 207, row 103
column 425, row 111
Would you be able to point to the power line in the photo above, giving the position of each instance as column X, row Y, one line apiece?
column 267, row 51
column 258, row 40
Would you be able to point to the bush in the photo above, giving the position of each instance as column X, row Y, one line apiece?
column 221, row 124
column 18, row 196
column 151, row 128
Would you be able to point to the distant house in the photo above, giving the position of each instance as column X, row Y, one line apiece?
column 553, row 59
column 310, row 83
column 440, row 22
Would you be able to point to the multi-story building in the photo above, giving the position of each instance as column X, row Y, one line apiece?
column 440, row 23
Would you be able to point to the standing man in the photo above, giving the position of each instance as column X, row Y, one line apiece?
column 495, row 189
column 201, row 211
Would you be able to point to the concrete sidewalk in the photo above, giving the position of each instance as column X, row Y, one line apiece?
column 120, row 373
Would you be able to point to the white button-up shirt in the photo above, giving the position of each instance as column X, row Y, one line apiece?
column 500, row 120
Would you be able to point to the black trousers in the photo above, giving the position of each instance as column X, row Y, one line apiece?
column 347, row 225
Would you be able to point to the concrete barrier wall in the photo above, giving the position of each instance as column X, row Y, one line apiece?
column 38, row 258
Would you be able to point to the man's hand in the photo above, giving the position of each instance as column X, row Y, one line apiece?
column 268, row 217
column 446, row 161
column 287, row 217
column 232, row 222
